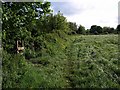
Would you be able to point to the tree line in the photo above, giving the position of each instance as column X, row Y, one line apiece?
column 94, row 30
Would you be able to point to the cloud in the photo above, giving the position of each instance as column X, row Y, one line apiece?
column 89, row 12
column 119, row 12
column 67, row 8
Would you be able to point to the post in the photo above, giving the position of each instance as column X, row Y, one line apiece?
column 20, row 46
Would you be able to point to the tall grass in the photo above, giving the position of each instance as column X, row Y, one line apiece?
column 66, row 61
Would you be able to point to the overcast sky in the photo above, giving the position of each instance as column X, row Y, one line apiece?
column 88, row 12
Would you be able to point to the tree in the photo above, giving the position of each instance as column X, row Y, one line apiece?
column 17, row 20
column 112, row 30
column 99, row 29
column 96, row 29
column 93, row 29
column 108, row 30
column 72, row 27
column 118, row 29
column 88, row 31
column 60, row 22
column 81, row 30
column 54, row 23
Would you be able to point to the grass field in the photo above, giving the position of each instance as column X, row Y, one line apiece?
column 94, row 61
column 79, row 61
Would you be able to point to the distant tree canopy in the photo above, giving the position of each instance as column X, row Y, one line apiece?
column 81, row 30
column 72, row 27
column 118, row 29
column 96, row 29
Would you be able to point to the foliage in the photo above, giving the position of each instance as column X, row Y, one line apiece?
column 72, row 27
column 81, row 30
column 17, row 18
column 55, row 22
column 95, row 29
column 118, row 29
column 108, row 30
column 14, row 68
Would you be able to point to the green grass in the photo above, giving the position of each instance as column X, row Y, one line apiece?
column 76, row 61
column 94, row 61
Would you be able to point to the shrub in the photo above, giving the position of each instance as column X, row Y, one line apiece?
column 14, row 69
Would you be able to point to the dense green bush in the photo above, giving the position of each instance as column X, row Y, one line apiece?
column 14, row 68
column 29, row 54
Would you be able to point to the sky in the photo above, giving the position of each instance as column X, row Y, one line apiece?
column 88, row 12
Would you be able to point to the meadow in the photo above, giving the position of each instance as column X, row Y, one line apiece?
column 78, row 61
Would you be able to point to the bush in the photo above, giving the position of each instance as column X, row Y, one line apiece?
column 14, row 69
column 29, row 54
